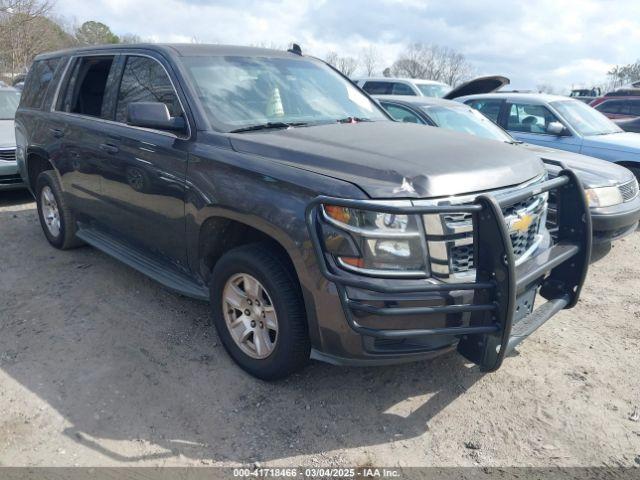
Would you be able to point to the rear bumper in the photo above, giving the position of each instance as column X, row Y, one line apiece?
column 404, row 320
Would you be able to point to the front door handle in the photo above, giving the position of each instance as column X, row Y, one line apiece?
column 56, row 132
column 109, row 148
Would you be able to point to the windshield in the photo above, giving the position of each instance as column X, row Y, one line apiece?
column 239, row 92
column 9, row 100
column 585, row 119
column 466, row 120
column 431, row 90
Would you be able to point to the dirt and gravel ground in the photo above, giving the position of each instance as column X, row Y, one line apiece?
column 101, row 366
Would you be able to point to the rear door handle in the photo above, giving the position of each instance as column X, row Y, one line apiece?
column 56, row 132
column 109, row 148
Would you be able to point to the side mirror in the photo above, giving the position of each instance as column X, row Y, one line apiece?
column 556, row 128
column 153, row 115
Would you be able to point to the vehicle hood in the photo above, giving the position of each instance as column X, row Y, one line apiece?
column 623, row 142
column 7, row 134
column 486, row 84
column 593, row 172
column 396, row 160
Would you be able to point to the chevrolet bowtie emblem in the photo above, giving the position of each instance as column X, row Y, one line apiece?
column 522, row 223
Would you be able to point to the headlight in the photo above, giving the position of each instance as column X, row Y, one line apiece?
column 603, row 196
column 387, row 244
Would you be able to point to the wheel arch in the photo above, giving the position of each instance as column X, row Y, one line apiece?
column 36, row 162
column 223, row 230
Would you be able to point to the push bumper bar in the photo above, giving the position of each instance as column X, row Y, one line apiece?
column 493, row 329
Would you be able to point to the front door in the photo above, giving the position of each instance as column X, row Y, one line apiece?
column 528, row 123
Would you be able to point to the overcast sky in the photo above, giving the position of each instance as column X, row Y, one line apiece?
column 533, row 42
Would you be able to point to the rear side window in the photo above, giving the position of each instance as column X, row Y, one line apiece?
column 489, row 108
column 38, row 81
column 401, row 114
column 145, row 80
column 610, row 106
column 87, row 86
column 401, row 89
column 377, row 88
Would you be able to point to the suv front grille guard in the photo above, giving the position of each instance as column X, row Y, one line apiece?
column 491, row 334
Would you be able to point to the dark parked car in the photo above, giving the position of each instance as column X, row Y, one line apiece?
column 628, row 124
column 624, row 111
column 585, row 95
column 612, row 190
column 317, row 227
column 618, row 107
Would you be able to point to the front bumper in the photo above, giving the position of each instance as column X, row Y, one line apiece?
column 485, row 319
column 10, row 178
column 612, row 223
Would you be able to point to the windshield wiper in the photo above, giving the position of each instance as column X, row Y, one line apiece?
column 353, row 120
column 267, row 126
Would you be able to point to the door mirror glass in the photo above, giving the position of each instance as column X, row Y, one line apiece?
column 153, row 115
column 556, row 128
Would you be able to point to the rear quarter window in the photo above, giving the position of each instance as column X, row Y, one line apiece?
column 38, row 82
column 377, row 88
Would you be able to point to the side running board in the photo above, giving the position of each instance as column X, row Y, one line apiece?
column 158, row 271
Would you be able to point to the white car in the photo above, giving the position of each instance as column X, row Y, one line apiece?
column 403, row 86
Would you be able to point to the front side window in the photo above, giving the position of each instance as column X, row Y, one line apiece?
column 377, row 88
column 9, row 100
column 585, row 120
column 634, row 108
column 529, row 118
column 87, row 86
column 145, row 80
column 239, row 92
column 489, row 108
column 38, row 81
column 401, row 114
column 466, row 120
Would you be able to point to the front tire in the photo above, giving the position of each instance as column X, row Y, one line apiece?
column 259, row 313
column 56, row 218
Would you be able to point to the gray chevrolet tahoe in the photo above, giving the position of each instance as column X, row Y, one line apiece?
column 268, row 184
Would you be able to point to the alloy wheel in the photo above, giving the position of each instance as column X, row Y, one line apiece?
column 250, row 315
column 50, row 211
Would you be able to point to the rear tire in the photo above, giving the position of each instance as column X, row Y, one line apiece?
column 269, row 338
column 56, row 218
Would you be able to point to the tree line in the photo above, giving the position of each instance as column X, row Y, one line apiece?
column 28, row 28
column 417, row 60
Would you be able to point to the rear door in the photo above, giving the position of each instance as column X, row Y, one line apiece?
column 78, row 125
column 143, row 175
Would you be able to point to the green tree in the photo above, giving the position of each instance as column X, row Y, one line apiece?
column 95, row 33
